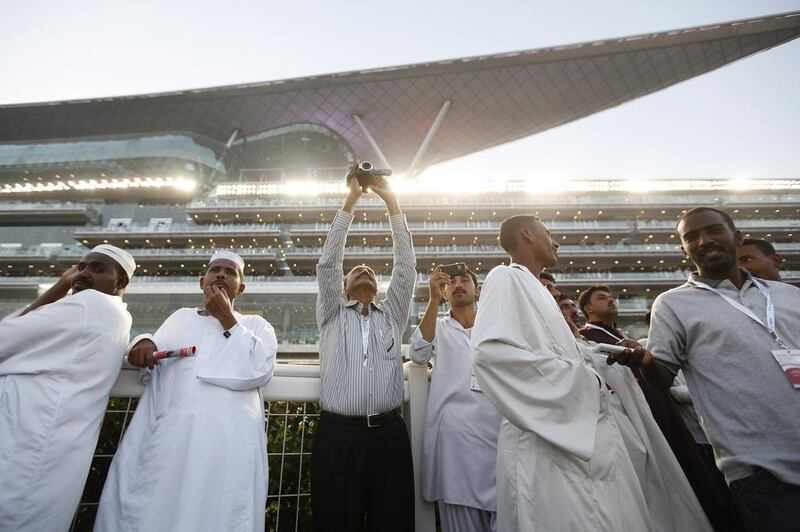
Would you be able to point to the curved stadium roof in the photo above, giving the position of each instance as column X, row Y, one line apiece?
column 492, row 99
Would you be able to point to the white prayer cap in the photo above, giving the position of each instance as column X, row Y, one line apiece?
column 122, row 257
column 228, row 255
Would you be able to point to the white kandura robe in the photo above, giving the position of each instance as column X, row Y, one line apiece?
column 561, row 461
column 459, row 443
column 670, row 499
column 57, row 366
column 194, row 457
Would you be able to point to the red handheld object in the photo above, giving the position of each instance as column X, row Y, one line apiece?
column 172, row 353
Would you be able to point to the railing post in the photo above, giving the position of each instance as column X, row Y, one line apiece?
column 418, row 388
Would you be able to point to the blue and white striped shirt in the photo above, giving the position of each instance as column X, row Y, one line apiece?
column 354, row 383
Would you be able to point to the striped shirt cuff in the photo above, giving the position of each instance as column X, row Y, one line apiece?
column 398, row 222
column 342, row 220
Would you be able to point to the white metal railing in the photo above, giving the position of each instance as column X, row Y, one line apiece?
column 296, row 382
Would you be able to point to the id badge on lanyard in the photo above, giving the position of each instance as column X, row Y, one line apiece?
column 787, row 359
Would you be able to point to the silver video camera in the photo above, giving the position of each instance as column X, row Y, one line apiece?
column 366, row 174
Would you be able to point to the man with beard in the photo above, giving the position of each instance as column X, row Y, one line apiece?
column 194, row 457
column 460, row 438
column 561, row 461
column 59, row 358
column 736, row 338
column 599, row 306
column 758, row 257
column 361, row 465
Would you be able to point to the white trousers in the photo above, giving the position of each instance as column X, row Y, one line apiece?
column 455, row 518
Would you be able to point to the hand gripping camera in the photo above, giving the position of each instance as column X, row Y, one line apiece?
column 366, row 174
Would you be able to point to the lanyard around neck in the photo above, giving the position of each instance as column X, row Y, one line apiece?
column 769, row 326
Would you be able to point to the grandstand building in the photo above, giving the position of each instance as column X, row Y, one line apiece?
column 259, row 169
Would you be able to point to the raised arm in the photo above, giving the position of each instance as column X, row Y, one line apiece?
column 54, row 293
column 436, row 284
column 329, row 268
column 404, row 271
column 32, row 337
column 422, row 348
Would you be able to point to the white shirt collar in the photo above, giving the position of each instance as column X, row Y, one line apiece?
column 452, row 322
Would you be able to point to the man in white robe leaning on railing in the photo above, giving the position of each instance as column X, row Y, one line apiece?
column 194, row 457
column 59, row 358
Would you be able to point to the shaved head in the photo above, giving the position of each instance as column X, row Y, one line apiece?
column 511, row 228
column 526, row 238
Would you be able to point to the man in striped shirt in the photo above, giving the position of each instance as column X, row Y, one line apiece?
column 361, row 463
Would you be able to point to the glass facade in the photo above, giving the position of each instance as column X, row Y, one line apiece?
column 160, row 155
column 292, row 151
column 289, row 431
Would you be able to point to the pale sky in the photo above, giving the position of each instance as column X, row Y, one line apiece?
column 740, row 121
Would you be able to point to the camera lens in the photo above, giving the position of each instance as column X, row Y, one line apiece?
column 366, row 166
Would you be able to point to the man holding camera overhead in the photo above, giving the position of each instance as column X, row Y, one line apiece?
column 361, row 462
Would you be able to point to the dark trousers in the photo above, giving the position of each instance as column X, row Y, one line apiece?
column 767, row 504
column 696, row 461
column 360, row 473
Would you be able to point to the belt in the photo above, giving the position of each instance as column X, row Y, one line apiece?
column 370, row 421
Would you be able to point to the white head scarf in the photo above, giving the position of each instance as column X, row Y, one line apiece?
column 228, row 255
column 122, row 257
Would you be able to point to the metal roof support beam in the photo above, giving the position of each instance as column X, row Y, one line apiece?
column 429, row 137
column 371, row 140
